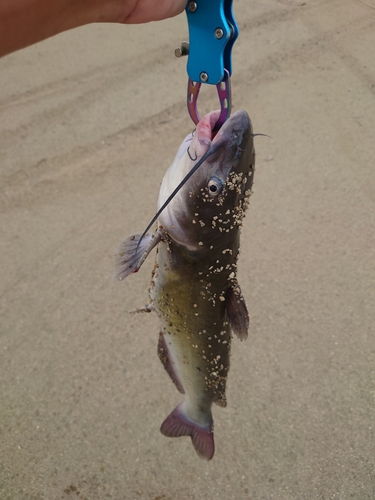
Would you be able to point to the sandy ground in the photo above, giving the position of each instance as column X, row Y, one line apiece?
column 89, row 122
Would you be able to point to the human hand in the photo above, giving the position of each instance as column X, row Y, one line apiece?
column 24, row 22
column 144, row 11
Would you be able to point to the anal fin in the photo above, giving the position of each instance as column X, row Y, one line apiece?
column 164, row 357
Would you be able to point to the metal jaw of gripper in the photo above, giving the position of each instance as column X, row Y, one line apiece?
column 224, row 92
column 212, row 33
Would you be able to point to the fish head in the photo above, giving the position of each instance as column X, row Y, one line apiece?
column 212, row 202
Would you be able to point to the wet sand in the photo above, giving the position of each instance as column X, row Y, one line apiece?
column 89, row 122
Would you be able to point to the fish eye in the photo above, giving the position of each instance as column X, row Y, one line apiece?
column 215, row 186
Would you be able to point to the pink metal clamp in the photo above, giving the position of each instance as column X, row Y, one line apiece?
column 224, row 92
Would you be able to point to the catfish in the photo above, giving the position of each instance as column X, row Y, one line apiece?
column 194, row 288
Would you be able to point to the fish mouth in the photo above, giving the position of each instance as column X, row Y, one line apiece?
column 231, row 133
column 226, row 144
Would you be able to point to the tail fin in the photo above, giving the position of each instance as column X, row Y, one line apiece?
column 178, row 424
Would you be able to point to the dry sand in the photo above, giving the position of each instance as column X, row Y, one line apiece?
column 89, row 122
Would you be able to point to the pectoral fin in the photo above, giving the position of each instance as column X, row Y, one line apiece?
column 237, row 313
column 132, row 252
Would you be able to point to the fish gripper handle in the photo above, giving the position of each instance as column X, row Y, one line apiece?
column 212, row 33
